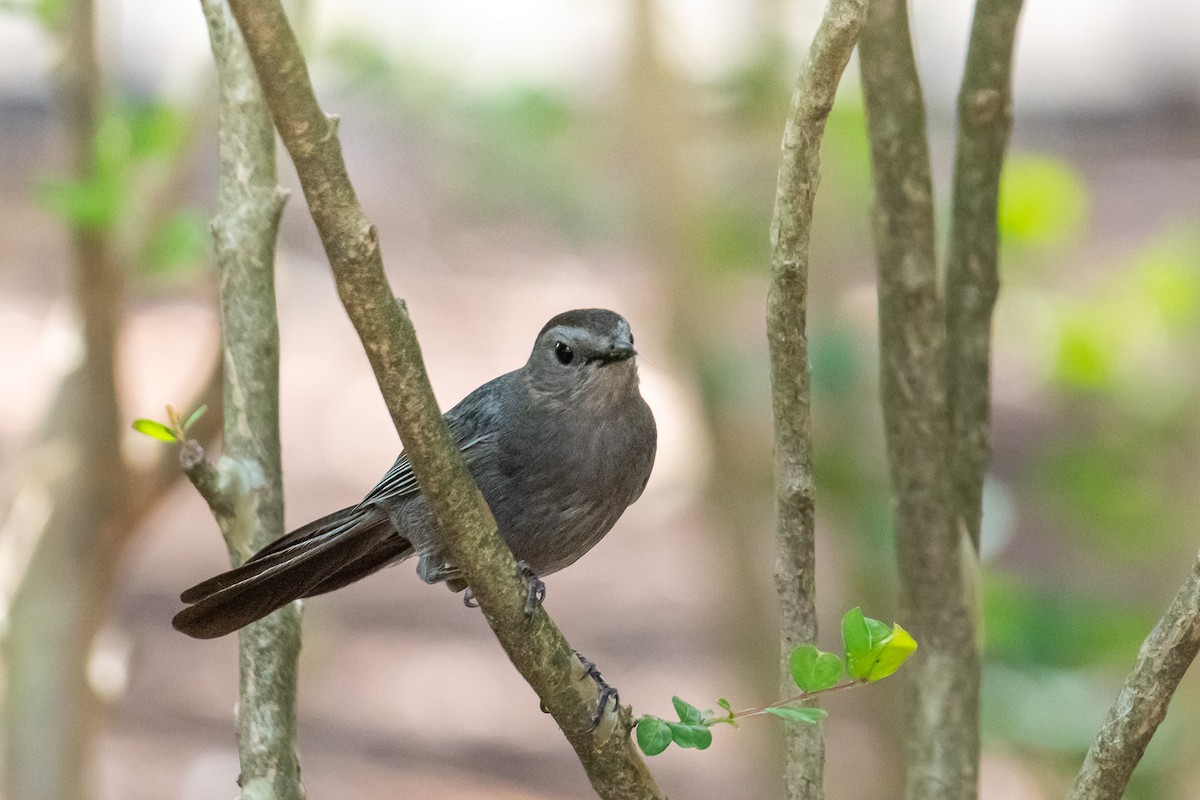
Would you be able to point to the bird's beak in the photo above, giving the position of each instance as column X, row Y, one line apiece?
column 620, row 350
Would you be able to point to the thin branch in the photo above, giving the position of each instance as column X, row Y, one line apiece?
column 1142, row 702
column 796, row 698
column 245, row 489
column 537, row 648
column 149, row 483
column 972, row 279
column 943, row 758
column 799, row 174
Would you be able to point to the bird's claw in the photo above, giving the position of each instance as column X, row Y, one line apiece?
column 607, row 693
column 535, row 588
column 469, row 598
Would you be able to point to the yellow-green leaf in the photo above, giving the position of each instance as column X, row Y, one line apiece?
column 155, row 430
column 891, row 653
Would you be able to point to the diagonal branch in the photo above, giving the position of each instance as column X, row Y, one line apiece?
column 799, row 174
column 943, row 758
column 972, row 279
column 1142, row 702
column 537, row 649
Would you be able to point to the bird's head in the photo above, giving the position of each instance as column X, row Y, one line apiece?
column 584, row 359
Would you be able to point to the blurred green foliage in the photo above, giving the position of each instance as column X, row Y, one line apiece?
column 1043, row 202
column 1037, row 627
column 128, row 134
column 501, row 153
column 136, row 142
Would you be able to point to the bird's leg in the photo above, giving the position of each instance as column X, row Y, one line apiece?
column 535, row 590
column 607, row 693
column 534, row 587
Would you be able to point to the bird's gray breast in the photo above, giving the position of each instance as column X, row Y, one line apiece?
column 563, row 479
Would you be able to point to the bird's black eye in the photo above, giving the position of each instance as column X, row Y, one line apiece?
column 563, row 352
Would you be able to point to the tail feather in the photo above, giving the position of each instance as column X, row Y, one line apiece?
column 321, row 556
column 298, row 541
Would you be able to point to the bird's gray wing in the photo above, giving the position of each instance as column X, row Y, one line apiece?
column 473, row 424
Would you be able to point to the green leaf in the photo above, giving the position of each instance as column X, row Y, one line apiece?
column 891, row 653
column 856, row 636
column 878, row 630
column 806, row 714
column 155, row 430
column 196, row 415
column 688, row 713
column 653, row 735
column 873, row 650
column 884, row 653
column 814, row 670
column 684, row 734
column 710, row 717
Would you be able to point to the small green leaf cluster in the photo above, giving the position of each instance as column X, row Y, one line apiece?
column 873, row 652
column 655, row 734
column 174, row 430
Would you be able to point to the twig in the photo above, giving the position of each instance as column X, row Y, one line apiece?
column 943, row 758
column 1142, row 702
column 537, row 649
column 972, row 280
column 799, row 174
column 796, row 698
column 245, row 489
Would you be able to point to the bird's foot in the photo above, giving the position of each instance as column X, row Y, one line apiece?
column 608, row 694
column 535, row 589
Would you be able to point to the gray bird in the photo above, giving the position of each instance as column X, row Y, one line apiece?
column 559, row 448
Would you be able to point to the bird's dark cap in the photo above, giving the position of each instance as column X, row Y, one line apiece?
column 595, row 319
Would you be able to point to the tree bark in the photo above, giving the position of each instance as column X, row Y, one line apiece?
column 799, row 175
column 937, row 564
column 244, row 233
column 80, row 483
column 1142, row 702
column 972, row 274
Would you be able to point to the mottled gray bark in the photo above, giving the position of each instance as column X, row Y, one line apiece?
column 537, row 648
column 1142, row 702
column 972, row 275
column 799, row 174
column 245, row 487
column 937, row 565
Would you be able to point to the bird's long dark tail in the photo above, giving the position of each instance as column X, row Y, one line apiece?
column 319, row 557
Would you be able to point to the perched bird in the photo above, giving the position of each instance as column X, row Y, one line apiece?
column 559, row 448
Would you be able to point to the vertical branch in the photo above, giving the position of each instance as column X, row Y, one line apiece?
column 244, row 232
column 972, row 280
column 63, row 521
column 1142, row 702
column 943, row 758
column 799, row 174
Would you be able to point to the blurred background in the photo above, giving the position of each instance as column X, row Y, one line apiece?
column 526, row 157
